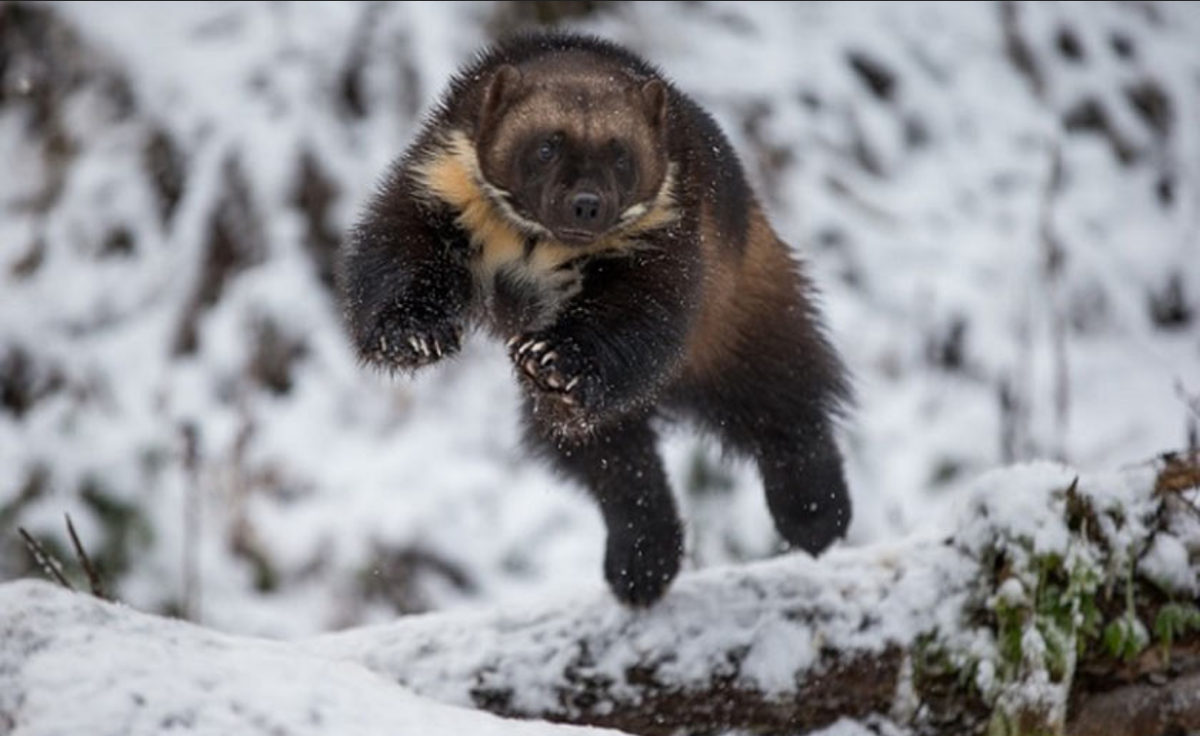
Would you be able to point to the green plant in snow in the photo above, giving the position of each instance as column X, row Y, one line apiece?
column 1173, row 621
column 1065, row 612
column 1126, row 637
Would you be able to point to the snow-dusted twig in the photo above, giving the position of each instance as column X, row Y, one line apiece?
column 49, row 564
column 93, row 576
column 192, row 510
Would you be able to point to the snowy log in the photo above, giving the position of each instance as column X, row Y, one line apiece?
column 1048, row 603
column 1048, row 598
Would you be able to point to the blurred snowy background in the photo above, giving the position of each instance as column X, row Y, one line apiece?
column 1001, row 202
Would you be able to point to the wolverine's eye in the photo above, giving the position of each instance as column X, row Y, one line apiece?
column 622, row 160
column 546, row 151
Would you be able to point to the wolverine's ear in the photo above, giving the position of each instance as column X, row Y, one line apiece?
column 654, row 97
column 500, row 91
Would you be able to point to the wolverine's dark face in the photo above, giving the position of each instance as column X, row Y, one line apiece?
column 572, row 152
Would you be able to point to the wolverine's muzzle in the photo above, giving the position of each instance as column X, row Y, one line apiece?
column 583, row 215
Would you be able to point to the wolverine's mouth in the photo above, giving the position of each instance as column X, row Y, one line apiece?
column 572, row 236
column 580, row 236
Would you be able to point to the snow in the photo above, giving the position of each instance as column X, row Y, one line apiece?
column 781, row 612
column 129, row 672
column 337, row 482
column 995, row 507
column 71, row 665
column 846, row 727
column 1166, row 563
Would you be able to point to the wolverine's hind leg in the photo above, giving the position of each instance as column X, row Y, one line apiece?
column 780, row 414
column 806, row 491
column 620, row 466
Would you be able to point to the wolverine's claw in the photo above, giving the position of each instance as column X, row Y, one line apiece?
column 400, row 346
column 542, row 366
column 512, row 341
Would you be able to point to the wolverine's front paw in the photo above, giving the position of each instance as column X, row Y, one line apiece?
column 561, row 384
column 399, row 341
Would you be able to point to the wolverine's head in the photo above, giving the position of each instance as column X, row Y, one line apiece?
column 571, row 150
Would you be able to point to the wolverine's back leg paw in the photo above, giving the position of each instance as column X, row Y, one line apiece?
column 806, row 491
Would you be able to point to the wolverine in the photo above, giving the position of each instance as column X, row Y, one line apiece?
column 573, row 202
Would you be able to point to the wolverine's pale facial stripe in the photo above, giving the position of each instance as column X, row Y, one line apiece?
column 631, row 215
column 500, row 198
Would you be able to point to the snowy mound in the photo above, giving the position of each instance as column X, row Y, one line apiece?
column 74, row 666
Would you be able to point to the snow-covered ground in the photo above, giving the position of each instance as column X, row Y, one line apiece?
column 129, row 673
column 72, row 664
column 1000, row 202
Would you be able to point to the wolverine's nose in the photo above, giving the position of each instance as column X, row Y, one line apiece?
column 586, row 207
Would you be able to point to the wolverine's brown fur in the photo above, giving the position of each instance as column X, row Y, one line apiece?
column 593, row 216
column 740, row 286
